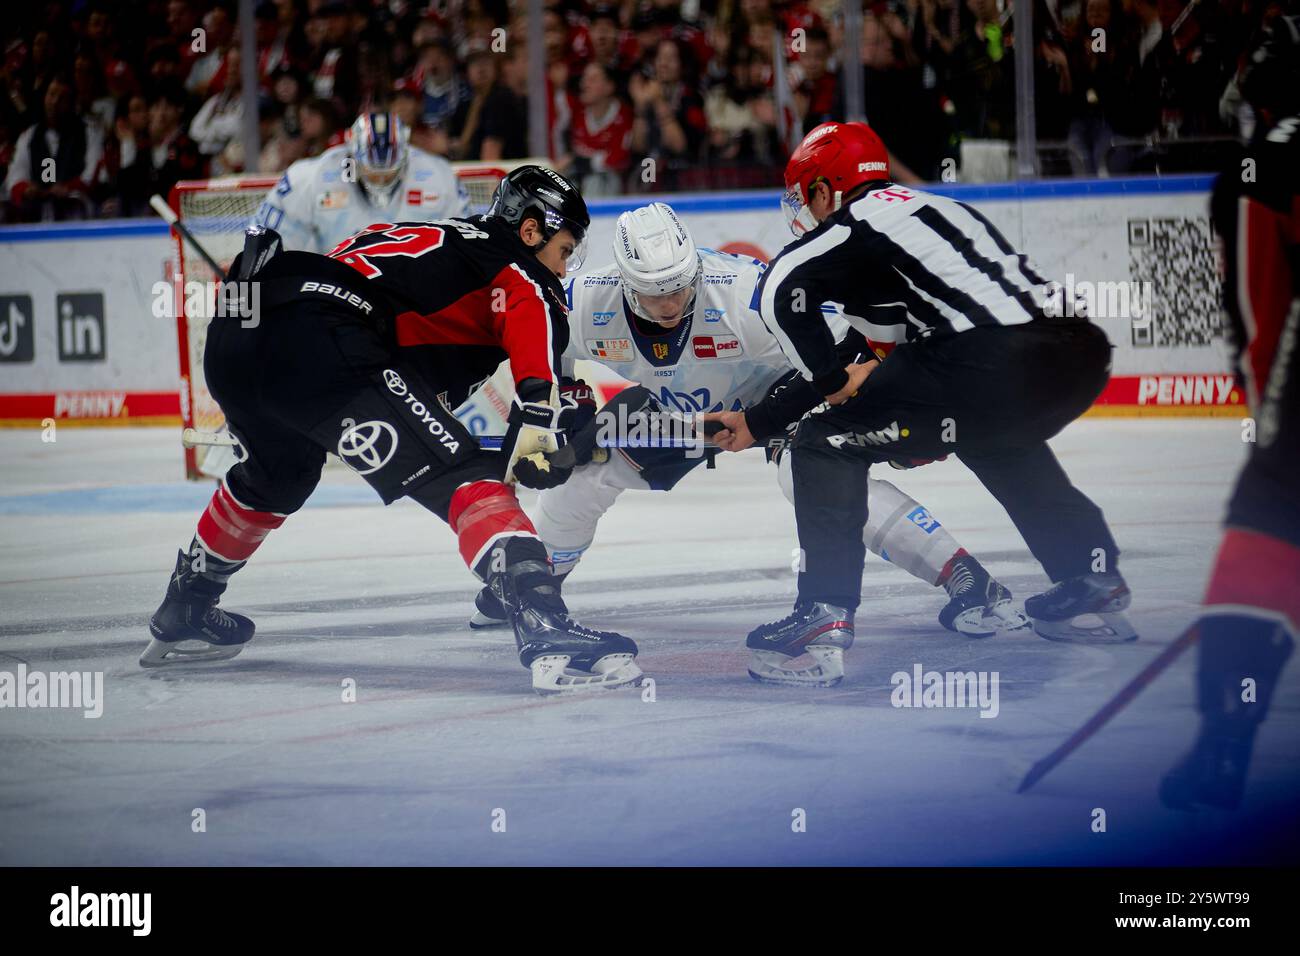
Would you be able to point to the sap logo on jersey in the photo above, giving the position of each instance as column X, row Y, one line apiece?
column 613, row 350
column 367, row 447
column 884, row 436
column 716, row 346
column 602, row 318
column 714, row 315
column 337, row 292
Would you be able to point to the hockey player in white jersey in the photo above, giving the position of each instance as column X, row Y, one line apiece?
column 375, row 176
column 684, row 324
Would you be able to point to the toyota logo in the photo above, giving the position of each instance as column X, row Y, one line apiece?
column 394, row 382
column 364, row 448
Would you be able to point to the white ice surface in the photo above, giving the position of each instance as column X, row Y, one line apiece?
column 445, row 729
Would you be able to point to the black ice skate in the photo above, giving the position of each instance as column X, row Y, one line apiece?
column 1238, row 651
column 1086, row 610
column 1213, row 774
column 563, row 655
column 189, row 627
column 804, row 649
column 979, row 606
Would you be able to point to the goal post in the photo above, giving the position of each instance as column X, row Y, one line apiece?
column 216, row 212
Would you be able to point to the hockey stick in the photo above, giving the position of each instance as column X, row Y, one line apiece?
column 193, row 438
column 168, row 216
column 1111, row 708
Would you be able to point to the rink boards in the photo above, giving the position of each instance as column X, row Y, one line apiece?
column 87, row 333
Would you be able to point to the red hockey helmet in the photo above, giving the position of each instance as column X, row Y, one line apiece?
column 844, row 155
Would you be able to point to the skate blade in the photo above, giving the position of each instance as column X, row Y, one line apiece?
column 167, row 654
column 1005, row 616
column 481, row 622
column 553, row 675
column 1111, row 628
column 820, row 666
column 975, row 622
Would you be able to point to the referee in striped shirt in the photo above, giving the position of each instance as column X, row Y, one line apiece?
column 980, row 362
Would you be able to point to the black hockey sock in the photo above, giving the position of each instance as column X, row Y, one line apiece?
column 202, row 573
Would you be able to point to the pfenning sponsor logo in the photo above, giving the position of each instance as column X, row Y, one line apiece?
column 884, row 436
column 74, row 909
column 71, row 690
column 951, row 689
column 436, row 428
column 337, row 292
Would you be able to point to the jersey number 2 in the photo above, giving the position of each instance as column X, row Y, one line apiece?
column 410, row 241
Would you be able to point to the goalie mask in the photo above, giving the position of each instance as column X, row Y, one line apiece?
column 377, row 144
column 657, row 263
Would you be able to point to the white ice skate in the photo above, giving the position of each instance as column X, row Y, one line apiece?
column 1083, row 610
column 804, row 649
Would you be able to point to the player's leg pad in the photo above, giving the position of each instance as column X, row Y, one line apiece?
column 1087, row 609
column 188, row 627
column 804, row 649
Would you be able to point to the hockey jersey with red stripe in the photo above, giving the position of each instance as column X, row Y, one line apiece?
column 465, row 295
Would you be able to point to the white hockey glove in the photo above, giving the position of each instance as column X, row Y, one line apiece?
column 533, row 434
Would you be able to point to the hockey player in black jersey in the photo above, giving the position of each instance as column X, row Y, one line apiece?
column 982, row 370
column 1247, row 628
column 364, row 352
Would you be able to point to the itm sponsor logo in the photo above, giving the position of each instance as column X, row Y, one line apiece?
column 1099, row 300
column 948, row 689
column 83, row 690
column 76, row 909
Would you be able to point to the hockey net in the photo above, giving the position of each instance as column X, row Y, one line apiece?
column 216, row 212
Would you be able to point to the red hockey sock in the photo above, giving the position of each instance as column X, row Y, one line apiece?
column 232, row 531
column 946, row 573
column 1255, row 570
column 482, row 512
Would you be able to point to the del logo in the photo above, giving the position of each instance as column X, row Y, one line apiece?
column 333, row 199
column 713, row 315
column 715, row 346
column 602, row 318
column 661, row 350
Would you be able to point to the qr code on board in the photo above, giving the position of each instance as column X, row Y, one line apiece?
column 1176, row 255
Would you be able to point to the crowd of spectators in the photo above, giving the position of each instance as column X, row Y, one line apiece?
column 105, row 103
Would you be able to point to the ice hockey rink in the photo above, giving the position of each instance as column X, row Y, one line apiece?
column 446, row 738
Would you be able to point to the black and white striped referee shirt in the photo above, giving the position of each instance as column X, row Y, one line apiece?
column 901, row 263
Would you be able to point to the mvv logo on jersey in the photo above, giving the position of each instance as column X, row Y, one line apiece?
column 716, row 346
column 884, row 436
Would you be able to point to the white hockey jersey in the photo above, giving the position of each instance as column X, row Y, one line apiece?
column 720, row 358
column 313, row 208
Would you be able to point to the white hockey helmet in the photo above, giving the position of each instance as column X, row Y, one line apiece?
column 378, row 144
column 656, row 256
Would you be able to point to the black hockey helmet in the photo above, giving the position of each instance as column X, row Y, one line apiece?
column 551, row 198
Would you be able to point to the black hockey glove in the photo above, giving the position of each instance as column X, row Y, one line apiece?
column 577, row 409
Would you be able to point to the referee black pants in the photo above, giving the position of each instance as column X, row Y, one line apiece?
column 993, row 396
